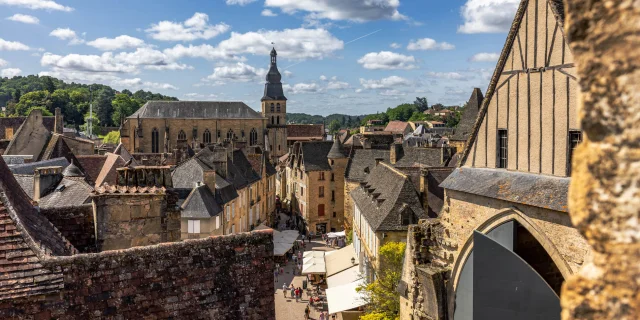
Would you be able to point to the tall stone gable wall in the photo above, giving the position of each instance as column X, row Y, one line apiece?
column 76, row 225
column 215, row 278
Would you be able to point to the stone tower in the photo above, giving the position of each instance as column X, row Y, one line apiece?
column 274, row 108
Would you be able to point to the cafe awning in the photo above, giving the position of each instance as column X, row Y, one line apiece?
column 345, row 297
column 340, row 260
column 347, row 276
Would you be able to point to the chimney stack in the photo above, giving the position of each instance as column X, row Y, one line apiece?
column 210, row 179
column 424, row 189
column 378, row 160
column 144, row 176
column 44, row 179
column 396, row 153
column 58, row 123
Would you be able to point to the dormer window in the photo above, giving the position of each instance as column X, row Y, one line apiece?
column 407, row 217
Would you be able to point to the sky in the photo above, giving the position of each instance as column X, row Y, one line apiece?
column 336, row 56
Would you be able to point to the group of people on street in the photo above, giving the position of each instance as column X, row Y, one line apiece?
column 294, row 292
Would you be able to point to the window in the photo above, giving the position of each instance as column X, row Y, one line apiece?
column 233, row 210
column 575, row 137
column 321, row 192
column 8, row 133
column 502, row 148
column 302, row 191
column 272, row 109
column 194, row 226
column 217, row 222
column 278, row 120
column 230, row 134
column 332, row 177
column 321, row 176
column 253, row 137
column 333, row 195
column 334, row 214
column 407, row 217
column 321, row 210
column 182, row 136
column 242, row 133
column 228, row 213
column 206, row 136
column 277, row 107
column 155, row 141
column 233, row 228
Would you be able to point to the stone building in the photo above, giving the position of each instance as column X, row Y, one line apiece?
column 315, row 184
column 505, row 219
column 171, row 127
column 304, row 132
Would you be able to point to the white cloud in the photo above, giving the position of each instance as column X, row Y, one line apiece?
column 138, row 83
column 196, row 27
column 3, row 63
column 239, row 2
column 391, row 92
column 268, row 13
column 66, row 34
column 12, row 45
column 485, row 57
column 288, row 74
column 338, row 85
column 37, row 4
column 447, row 75
column 24, row 18
column 384, row 83
column 386, row 60
column 239, row 72
column 9, row 72
column 429, row 44
column 86, row 63
column 323, row 78
column 395, row 45
column 342, row 10
column 80, row 76
column 291, row 43
column 302, row 88
column 199, row 96
column 117, row 43
column 488, row 16
column 150, row 59
column 343, row 96
column 200, row 51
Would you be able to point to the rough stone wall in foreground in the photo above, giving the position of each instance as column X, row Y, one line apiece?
column 605, row 189
column 75, row 224
column 226, row 277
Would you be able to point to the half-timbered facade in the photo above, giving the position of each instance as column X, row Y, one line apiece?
column 504, row 242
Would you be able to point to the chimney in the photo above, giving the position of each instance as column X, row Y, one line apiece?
column 209, row 177
column 58, row 123
column 44, row 179
column 424, row 189
column 144, row 176
column 378, row 160
column 396, row 153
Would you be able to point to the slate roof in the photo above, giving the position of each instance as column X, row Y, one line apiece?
column 32, row 238
column 305, row 131
column 16, row 122
column 314, row 155
column 468, row 117
column 30, row 168
column 336, row 151
column 200, row 203
column 425, row 157
column 26, row 183
column 92, row 165
column 517, row 187
column 377, row 140
column 397, row 127
column 71, row 191
column 396, row 193
column 435, row 193
column 363, row 160
column 196, row 110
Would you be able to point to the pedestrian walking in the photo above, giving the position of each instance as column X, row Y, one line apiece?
column 275, row 274
column 321, row 316
column 293, row 291
column 284, row 290
column 300, row 292
column 297, row 294
column 306, row 312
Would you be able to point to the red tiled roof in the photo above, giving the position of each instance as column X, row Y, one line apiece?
column 92, row 165
column 305, row 131
column 396, row 126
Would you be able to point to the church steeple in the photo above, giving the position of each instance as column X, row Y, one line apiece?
column 273, row 87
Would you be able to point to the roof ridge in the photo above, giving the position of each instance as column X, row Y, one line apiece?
column 394, row 170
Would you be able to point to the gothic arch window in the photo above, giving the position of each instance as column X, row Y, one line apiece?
column 155, row 141
column 253, row 137
column 206, row 136
column 278, row 120
column 242, row 133
column 272, row 120
column 230, row 134
column 182, row 136
column 278, row 107
column 272, row 107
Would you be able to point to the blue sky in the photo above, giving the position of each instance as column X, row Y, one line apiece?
column 218, row 49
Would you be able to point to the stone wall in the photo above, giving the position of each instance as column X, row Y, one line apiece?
column 215, row 278
column 76, row 225
column 348, row 202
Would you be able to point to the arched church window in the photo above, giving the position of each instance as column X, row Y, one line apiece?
column 206, row 136
column 278, row 107
column 230, row 134
column 253, row 137
column 155, row 141
column 272, row 109
column 278, row 120
column 182, row 136
column 272, row 120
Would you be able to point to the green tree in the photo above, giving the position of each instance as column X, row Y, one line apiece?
column 48, row 84
column 16, row 95
column 33, row 99
column 112, row 137
column 383, row 302
column 375, row 316
column 96, row 122
column 45, row 112
column 402, row 112
column 123, row 106
column 103, row 107
column 334, row 126
column 453, row 120
column 421, row 104
column 437, row 106
column 378, row 116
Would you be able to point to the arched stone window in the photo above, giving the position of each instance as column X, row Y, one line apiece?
column 206, row 136
column 273, row 120
column 272, row 109
column 230, row 134
column 278, row 120
column 155, row 141
column 278, row 107
column 182, row 136
column 253, row 137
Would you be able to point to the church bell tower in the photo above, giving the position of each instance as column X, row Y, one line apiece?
column 274, row 108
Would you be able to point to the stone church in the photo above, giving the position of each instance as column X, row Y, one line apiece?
column 166, row 126
column 504, row 242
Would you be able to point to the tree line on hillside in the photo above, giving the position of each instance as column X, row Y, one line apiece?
column 20, row 95
column 303, row 118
